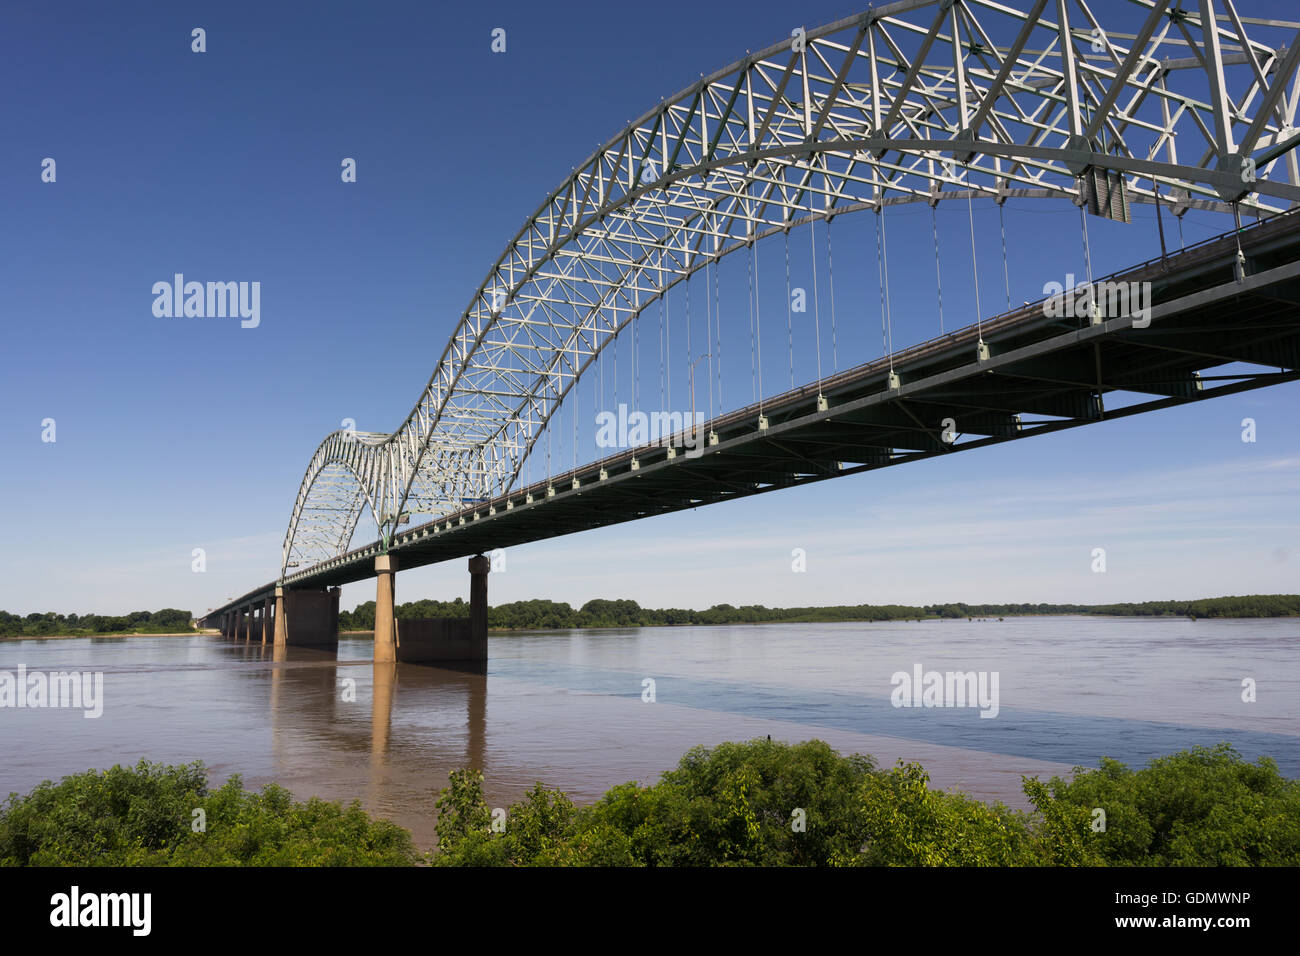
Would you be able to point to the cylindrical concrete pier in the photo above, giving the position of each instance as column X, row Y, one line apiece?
column 281, row 626
column 478, row 607
column 385, row 623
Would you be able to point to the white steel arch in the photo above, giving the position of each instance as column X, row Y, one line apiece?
column 918, row 100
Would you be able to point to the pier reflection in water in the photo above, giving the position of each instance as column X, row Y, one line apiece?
column 319, row 704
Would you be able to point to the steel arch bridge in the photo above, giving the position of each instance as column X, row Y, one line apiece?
column 919, row 100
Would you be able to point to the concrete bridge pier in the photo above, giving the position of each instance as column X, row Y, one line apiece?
column 281, row 631
column 456, row 641
column 479, row 566
column 310, row 618
column 266, row 619
column 385, row 620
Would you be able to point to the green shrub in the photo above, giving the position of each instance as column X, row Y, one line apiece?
column 911, row 825
column 735, row 804
column 761, row 803
column 143, row 816
column 1199, row 807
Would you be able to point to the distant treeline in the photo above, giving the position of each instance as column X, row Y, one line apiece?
column 168, row 620
column 539, row 614
column 542, row 615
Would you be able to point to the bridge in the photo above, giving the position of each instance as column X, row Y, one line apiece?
column 945, row 101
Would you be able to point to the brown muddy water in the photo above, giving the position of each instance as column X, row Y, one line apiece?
column 568, row 708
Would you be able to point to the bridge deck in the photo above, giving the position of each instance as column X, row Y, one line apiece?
column 1042, row 374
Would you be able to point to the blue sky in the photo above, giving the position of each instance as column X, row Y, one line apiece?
column 175, row 434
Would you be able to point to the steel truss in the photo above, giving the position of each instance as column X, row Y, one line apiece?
column 920, row 100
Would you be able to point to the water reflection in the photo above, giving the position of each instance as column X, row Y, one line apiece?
column 364, row 725
column 312, row 691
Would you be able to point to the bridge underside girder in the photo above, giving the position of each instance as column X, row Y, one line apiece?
column 1209, row 335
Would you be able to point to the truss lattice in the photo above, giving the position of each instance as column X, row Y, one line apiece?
column 919, row 100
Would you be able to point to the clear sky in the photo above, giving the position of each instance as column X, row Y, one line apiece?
column 174, row 434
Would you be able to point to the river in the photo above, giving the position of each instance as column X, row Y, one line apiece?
column 571, row 708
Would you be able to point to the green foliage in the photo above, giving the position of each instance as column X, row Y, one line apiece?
column 557, row 615
column 1064, row 832
column 463, row 815
column 521, row 615
column 167, row 621
column 730, row 805
column 553, row 615
column 544, row 615
column 734, row 805
column 532, row 829
column 761, row 803
column 1203, row 807
column 602, row 613
column 909, row 824
column 111, row 817
column 143, row 816
column 740, row 802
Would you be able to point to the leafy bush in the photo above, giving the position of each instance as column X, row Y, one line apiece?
column 142, row 816
column 736, row 804
column 761, row 803
column 1199, row 807
column 909, row 824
